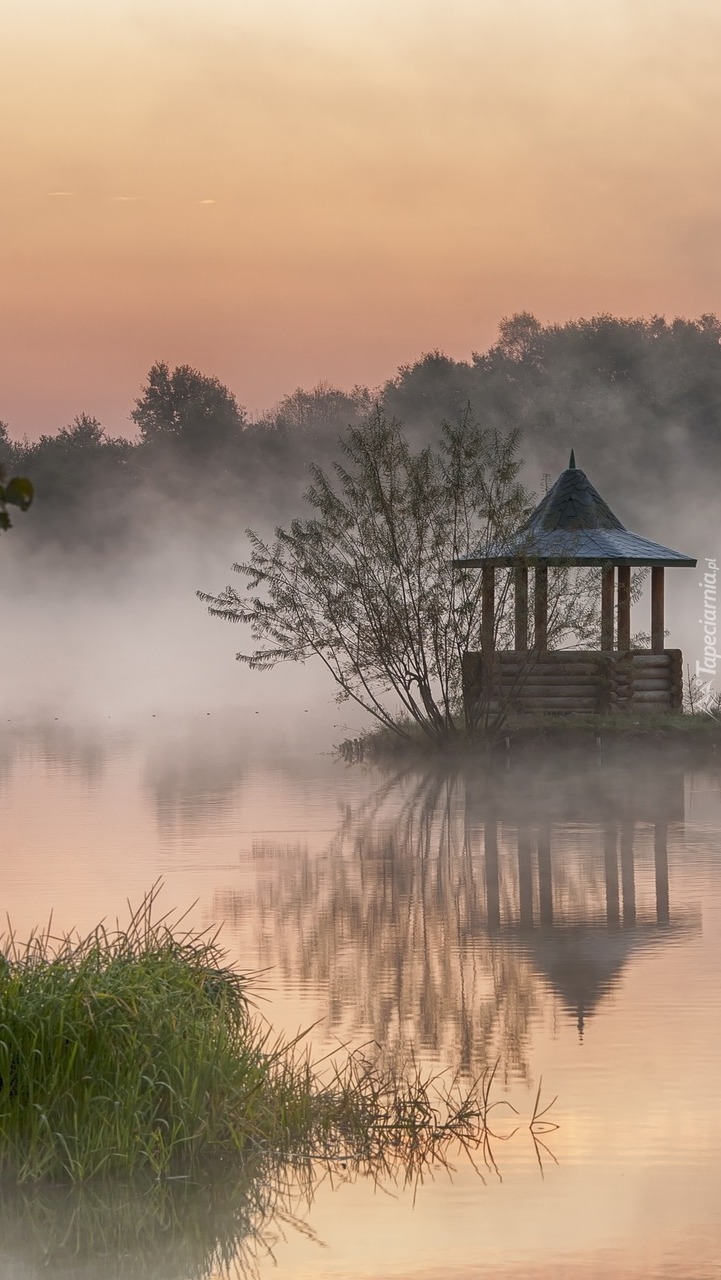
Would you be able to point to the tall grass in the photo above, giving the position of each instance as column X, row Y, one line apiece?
column 136, row 1051
column 122, row 1050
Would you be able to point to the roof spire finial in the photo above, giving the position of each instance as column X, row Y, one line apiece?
column 572, row 462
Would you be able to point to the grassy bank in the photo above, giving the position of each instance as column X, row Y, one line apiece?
column 698, row 734
column 136, row 1051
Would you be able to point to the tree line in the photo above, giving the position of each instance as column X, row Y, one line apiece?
column 628, row 394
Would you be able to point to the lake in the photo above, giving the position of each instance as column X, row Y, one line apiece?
column 557, row 916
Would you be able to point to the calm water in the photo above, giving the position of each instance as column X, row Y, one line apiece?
column 562, row 919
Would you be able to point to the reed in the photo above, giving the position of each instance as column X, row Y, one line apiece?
column 137, row 1051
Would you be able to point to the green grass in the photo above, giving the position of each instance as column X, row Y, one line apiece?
column 136, row 1051
column 121, row 1050
column 690, row 731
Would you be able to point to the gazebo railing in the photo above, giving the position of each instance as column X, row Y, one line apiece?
column 583, row 681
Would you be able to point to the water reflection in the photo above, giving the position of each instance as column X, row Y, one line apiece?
column 194, row 776
column 561, row 907
column 448, row 904
column 229, row 1225
column 167, row 1231
column 477, row 915
column 75, row 751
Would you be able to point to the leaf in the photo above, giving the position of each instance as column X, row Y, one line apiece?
column 19, row 492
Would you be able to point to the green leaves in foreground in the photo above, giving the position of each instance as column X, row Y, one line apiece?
column 134, row 1051
column 17, row 492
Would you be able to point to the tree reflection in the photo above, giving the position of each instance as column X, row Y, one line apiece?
column 448, row 906
column 391, row 922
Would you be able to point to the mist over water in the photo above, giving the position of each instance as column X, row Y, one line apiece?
column 123, row 636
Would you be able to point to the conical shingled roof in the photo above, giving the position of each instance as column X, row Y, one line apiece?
column 572, row 503
column 573, row 525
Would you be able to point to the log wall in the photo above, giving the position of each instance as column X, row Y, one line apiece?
column 580, row 681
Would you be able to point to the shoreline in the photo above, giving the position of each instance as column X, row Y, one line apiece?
column 698, row 734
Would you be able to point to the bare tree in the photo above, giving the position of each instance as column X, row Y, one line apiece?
column 367, row 582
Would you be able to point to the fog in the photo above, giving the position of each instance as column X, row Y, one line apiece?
column 125, row 638
column 124, row 635
column 100, row 615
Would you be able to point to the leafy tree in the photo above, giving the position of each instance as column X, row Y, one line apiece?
column 616, row 388
column 302, row 426
column 17, row 491
column 367, row 583
column 520, row 338
column 68, row 452
column 188, row 408
column 7, row 448
column 80, row 470
column 322, row 411
column 435, row 387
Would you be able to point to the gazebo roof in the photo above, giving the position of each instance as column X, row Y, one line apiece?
column 573, row 525
column 584, row 964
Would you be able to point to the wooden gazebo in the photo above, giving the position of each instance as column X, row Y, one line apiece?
column 573, row 526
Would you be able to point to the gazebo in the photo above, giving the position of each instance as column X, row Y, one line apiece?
column 573, row 526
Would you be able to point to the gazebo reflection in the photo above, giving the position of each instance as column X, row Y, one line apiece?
column 580, row 949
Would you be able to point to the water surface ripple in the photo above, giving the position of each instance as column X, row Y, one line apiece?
column 561, row 918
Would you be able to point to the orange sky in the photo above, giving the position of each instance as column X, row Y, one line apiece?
column 386, row 178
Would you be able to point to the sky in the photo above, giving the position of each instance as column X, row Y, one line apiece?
column 281, row 193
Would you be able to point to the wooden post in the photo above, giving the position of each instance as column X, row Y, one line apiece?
column 540, row 610
column 608, row 582
column 657, row 610
column 520, row 593
column 488, row 586
column 624, row 608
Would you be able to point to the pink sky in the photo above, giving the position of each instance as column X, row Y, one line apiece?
column 280, row 193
